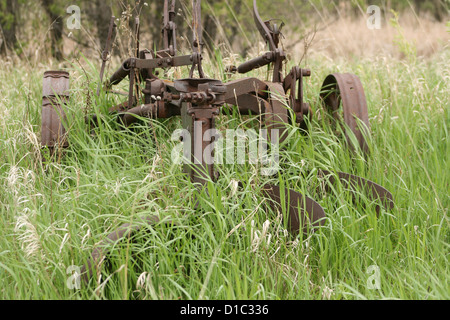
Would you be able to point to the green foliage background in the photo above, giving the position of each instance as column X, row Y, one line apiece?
column 233, row 17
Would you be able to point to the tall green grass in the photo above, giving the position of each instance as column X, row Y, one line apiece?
column 232, row 247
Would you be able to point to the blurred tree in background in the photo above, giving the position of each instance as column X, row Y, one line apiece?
column 224, row 21
column 54, row 10
column 9, row 14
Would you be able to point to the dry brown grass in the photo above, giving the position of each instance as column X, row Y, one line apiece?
column 330, row 37
column 349, row 37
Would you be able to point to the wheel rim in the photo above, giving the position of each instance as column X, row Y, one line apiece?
column 347, row 91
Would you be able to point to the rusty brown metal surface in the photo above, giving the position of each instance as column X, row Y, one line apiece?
column 169, row 28
column 239, row 87
column 345, row 89
column 248, row 94
column 55, row 93
column 304, row 213
column 373, row 190
column 262, row 28
column 122, row 72
column 131, row 116
column 249, row 104
column 257, row 62
column 200, row 100
column 100, row 251
column 197, row 42
column 156, row 110
column 55, row 83
column 276, row 113
column 271, row 34
column 293, row 83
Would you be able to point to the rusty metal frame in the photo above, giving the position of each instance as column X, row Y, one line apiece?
column 199, row 101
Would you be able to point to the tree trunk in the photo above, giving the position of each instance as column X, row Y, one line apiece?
column 153, row 19
column 440, row 10
column 102, row 17
column 56, row 29
column 8, row 25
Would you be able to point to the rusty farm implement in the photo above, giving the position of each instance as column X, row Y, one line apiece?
column 199, row 101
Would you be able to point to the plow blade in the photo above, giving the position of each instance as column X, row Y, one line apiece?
column 304, row 212
column 373, row 190
column 99, row 253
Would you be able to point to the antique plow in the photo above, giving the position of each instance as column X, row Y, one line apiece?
column 199, row 101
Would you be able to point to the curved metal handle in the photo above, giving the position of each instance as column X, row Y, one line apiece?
column 262, row 28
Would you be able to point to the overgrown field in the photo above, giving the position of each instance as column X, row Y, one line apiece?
column 232, row 247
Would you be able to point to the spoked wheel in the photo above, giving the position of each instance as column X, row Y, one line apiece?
column 343, row 97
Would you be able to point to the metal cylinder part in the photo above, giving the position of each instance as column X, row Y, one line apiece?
column 55, row 93
column 255, row 63
column 121, row 73
column 146, row 110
